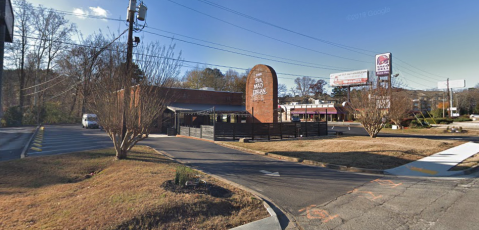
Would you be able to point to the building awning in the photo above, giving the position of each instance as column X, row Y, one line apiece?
column 330, row 110
column 187, row 107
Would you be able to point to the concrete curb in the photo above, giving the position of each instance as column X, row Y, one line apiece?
column 286, row 158
column 271, row 222
column 195, row 138
column 307, row 162
column 25, row 149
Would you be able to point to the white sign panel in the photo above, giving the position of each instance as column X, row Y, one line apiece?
column 452, row 84
column 383, row 64
column 359, row 77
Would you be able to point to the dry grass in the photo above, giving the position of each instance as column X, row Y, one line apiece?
column 431, row 131
column 55, row 193
column 470, row 162
column 357, row 151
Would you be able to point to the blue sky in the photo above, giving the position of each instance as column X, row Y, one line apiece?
column 429, row 40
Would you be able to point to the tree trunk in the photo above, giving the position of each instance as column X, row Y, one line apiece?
column 121, row 154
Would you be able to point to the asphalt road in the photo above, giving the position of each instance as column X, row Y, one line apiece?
column 297, row 186
column 13, row 140
column 313, row 197
column 59, row 139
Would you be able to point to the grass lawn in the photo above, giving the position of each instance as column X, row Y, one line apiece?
column 356, row 151
column 90, row 190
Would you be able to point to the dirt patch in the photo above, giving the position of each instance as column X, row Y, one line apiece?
column 200, row 188
column 91, row 190
column 356, row 151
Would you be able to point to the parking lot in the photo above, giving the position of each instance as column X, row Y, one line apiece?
column 58, row 139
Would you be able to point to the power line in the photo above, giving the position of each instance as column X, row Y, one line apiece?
column 231, row 47
column 255, row 19
column 264, row 35
column 194, row 62
column 49, row 87
column 442, row 77
column 350, row 48
column 409, row 80
column 78, row 14
column 243, row 54
column 42, row 83
column 302, row 34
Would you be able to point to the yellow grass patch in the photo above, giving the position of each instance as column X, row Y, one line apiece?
column 90, row 190
column 357, row 151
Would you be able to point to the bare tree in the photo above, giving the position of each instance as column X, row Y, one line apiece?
column 400, row 107
column 317, row 89
column 23, row 24
column 148, row 98
column 282, row 90
column 371, row 108
column 52, row 30
column 303, row 86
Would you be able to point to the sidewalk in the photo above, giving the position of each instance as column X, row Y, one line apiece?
column 437, row 165
column 466, row 125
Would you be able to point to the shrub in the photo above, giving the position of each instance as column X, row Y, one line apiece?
column 416, row 124
column 183, row 174
column 462, row 119
column 12, row 117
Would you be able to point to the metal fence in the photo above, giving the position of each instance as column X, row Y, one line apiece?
column 235, row 131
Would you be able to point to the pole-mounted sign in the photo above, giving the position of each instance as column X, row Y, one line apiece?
column 383, row 64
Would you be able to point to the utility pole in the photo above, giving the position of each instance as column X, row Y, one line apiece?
column 2, row 46
column 6, row 35
column 443, row 106
column 449, row 115
column 127, row 76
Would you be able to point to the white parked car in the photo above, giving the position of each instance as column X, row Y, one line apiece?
column 89, row 121
column 474, row 117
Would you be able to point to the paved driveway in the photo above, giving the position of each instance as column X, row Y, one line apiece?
column 58, row 139
column 296, row 188
column 12, row 141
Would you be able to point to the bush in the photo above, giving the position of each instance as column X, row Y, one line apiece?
column 462, row 119
column 416, row 124
column 54, row 115
column 183, row 174
column 12, row 117
column 443, row 121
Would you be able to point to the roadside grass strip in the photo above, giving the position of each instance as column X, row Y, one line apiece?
column 91, row 190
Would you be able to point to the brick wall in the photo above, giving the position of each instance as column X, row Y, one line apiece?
column 262, row 94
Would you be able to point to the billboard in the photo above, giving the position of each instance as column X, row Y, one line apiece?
column 452, row 84
column 383, row 64
column 359, row 77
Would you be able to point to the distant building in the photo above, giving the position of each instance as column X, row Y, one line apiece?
column 312, row 109
column 195, row 107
